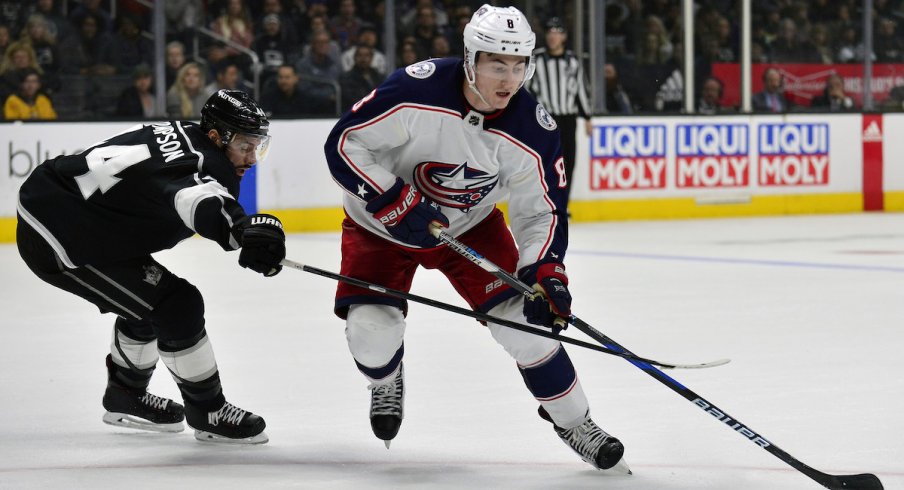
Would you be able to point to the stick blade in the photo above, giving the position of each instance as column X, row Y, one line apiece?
column 866, row 481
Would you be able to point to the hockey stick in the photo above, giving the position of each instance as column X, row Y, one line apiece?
column 490, row 318
column 865, row 481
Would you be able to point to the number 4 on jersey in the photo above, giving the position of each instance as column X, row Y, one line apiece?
column 105, row 162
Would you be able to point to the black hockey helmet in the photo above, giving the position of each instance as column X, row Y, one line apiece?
column 232, row 112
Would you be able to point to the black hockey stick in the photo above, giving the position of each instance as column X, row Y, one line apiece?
column 492, row 319
column 865, row 481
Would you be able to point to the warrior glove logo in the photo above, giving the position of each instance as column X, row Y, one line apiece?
column 455, row 186
column 266, row 220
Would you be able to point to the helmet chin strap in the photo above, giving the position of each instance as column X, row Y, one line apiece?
column 471, row 78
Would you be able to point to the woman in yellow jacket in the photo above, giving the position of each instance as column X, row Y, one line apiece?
column 28, row 102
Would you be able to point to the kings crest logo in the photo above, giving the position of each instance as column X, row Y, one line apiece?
column 454, row 185
column 152, row 274
column 421, row 70
column 545, row 119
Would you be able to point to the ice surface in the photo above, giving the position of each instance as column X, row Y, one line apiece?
column 809, row 309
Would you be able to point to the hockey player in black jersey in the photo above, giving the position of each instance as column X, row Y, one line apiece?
column 88, row 224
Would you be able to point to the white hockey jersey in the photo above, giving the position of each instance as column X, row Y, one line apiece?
column 418, row 126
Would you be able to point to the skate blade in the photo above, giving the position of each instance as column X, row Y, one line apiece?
column 387, row 443
column 620, row 468
column 132, row 422
column 205, row 436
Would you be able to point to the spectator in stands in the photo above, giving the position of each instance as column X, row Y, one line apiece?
column 344, row 26
column 320, row 23
column 833, row 97
column 128, row 48
column 273, row 47
column 656, row 47
column 711, row 97
column 409, row 19
column 440, row 47
column 18, row 56
column 47, row 55
column 93, row 8
column 848, row 48
column 227, row 76
column 186, row 97
column 59, row 27
column 283, row 97
column 181, row 17
column 425, row 29
column 820, row 39
column 408, row 54
column 790, row 48
column 723, row 34
column 138, row 101
column 888, row 44
column 235, row 25
column 286, row 26
column 28, row 102
column 617, row 101
column 83, row 55
column 367, row 36
column 772, row 98
column 360, row 80
column 174, row 58
column 319, row 72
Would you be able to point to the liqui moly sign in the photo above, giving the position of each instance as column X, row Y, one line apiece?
column 793, row 154
column 627, row 157
column 712, row 155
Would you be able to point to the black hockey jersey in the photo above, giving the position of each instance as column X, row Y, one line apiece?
column 137, row 193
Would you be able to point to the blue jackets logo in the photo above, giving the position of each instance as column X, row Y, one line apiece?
column 454, row 185
column 627, row 157
column 712, row 155
column 793, row 154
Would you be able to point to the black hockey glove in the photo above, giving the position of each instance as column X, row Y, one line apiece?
column 263, row 243
column 407, row 215
column 552, row 303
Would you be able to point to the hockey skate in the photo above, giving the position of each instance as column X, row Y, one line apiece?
column 386, row 407
column 230, row 425
column 141, row 410
column 593, row 444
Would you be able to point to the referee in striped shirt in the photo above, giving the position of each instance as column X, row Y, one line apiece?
column 558, row 84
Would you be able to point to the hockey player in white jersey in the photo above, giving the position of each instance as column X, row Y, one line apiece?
column 440, row 142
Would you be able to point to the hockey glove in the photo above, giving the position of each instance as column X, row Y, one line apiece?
column 552, row 301
column 263, row 243
column 407, row 215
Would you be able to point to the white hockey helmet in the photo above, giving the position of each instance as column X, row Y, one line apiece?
column 499, row 30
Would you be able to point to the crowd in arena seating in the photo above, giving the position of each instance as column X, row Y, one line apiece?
column 94, row 59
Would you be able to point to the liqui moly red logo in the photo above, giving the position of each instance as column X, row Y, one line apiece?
column 627, row 157
column 793, row 154
column 712, row 155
